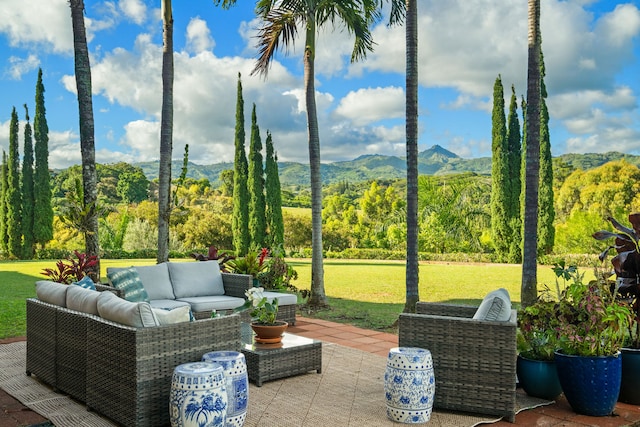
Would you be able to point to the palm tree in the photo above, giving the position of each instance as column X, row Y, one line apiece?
column 412, row 271
column 532, row 167
column 281, row 20
column 87, row 139
column 166, row 134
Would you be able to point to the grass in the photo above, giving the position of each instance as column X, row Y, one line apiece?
column 365, row 293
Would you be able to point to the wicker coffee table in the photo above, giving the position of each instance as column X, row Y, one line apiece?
column 294, row 355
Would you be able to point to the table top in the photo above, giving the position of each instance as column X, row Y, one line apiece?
column 289, row 341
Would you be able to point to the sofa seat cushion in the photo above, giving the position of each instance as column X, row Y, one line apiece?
column 496, row 306
column 196, row 279
column 283, row 297
column 52, row 292
column 84, row 300
column 136, row 314
column 168, row 304
column 128, row 281
column 213, row 302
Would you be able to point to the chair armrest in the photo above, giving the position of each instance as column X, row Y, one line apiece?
column 443, row 309
column 235, row 285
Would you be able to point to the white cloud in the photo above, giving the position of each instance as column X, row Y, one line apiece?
column 198, row 36
column 370, row 105
column 135, row 10
column 20, row 66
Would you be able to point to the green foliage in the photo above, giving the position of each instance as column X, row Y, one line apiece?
column 513, row 187
column 273, row 197
column 546, row 211
column 76, row 214
column 574, row 235
column 226, row 182
column 133, row 187
column 4, row 183
column 28, row 196
column 240, row 217
column 278, row 274
column 262, row 311
column 500, row 174
column 71, row 270
column 255, row 183
column 43, row 210
column 207, row 223
column 14, row 192
column 113, row 229
column 252, row 263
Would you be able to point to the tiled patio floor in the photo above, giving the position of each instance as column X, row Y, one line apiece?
column 559, row 414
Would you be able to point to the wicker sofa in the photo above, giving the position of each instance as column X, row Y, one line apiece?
column 122, row 372
column 174, row 284
column 474, row 360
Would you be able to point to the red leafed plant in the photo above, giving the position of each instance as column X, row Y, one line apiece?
column 215, row 255
column 71, row 270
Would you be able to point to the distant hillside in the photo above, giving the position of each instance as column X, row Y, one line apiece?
column 433, row 161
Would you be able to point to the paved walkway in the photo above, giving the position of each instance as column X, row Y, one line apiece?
column 14, row 414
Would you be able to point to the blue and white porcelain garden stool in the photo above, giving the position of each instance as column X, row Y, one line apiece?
column 409, row 385
column 198, row 395
column 235, row 371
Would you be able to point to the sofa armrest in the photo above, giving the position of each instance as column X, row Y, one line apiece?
column 235, row 285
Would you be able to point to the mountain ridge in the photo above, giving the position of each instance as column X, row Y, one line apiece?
column 435, row 160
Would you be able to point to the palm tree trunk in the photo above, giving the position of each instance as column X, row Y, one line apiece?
column 318, row 297
column 412, row 272
column 87, row 139
column 532, row 167
column 166, row 135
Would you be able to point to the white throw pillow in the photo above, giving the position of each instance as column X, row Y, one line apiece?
column 196, row 279
column 177, row 315
column 52, row 292
column 496, row 306
column 136, row 314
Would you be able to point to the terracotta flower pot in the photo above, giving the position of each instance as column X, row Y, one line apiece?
column 269, row 334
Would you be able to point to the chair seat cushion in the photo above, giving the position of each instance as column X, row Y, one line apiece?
column 213, row 302
column 176, row 315
column 496, row 306
column 168, row 304
column 283, row 298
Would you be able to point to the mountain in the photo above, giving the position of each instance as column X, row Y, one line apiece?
column 433, row 161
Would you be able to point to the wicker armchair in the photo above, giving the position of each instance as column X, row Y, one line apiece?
column 474, row 360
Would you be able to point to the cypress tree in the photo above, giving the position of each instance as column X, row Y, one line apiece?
column 4, row 237
column 28, row 198
column 514, row 158
column 500, row 222
column 14, row 196
column 273, row 196
column 546, row 210
column 240, row 218
column 257, row 221
column 43, row 212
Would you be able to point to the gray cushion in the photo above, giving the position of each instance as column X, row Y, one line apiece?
column 84, row 300
column 283, row 298
column 195, row 279
column 136, row 314
column 496, row 306
column 156, row 281
column 128, row 281
column 52, row 292
column 213, row 302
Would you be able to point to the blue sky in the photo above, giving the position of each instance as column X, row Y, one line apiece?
column 591, row 53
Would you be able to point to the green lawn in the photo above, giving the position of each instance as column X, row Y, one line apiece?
column 365, row 293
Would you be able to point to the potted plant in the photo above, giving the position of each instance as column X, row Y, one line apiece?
column 278, row 274
column 626, row 265
column 537, row 342
column 263, row 314
column 591, row 331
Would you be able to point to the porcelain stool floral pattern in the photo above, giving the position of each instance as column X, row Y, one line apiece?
column 235, row 371
column 409, row 385
column 198, row 395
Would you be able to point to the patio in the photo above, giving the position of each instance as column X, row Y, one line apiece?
column 373, row 342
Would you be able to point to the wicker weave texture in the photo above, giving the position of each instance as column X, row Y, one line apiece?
column 474, row 361
column 129, row 369
column 41, row 340
column 71, row 355
column 273, row 363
